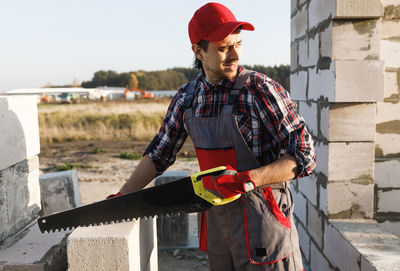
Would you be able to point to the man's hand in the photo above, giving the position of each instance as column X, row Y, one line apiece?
column 230, row 183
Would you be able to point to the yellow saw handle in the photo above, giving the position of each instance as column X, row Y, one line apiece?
column 197, row 181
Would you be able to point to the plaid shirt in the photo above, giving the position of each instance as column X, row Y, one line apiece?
column 266, row 118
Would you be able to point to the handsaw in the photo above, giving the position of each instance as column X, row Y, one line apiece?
column 186, row 195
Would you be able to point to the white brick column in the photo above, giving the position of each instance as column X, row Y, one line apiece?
column 19, row 163
column 337, row 79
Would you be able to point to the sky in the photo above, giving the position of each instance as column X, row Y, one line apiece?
column 58, row 42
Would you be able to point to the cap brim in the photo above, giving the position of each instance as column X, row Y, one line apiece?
column 227, row 28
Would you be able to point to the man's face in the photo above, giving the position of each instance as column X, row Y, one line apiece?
column 221, row 59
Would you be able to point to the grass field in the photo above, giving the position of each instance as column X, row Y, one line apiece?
column 112, row 120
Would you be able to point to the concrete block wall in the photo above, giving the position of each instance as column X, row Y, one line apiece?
column 387, row 146
column 22, row 245
column 19, row 164
column 337, row 80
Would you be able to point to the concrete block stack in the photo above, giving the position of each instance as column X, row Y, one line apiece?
column 19, row 164
column 387, row 146
column 22, row 246
column 338, row 71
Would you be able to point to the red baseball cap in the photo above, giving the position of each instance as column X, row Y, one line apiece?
column 213, row 22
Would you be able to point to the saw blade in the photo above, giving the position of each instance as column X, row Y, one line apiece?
column 169, row 198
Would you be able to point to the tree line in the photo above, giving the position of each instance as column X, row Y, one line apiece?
column 173, row 78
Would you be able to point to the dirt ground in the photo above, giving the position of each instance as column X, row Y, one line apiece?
column 103, row 173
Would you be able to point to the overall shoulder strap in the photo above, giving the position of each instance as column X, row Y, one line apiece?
column 239, row 83
column 189, row 94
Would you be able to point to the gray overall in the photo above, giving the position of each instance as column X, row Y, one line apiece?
column 255, row 232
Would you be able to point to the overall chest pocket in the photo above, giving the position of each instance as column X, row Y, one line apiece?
column 267, row 225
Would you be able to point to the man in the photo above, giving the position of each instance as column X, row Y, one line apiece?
column 245, row 121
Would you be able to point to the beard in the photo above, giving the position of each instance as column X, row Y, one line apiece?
column 221, row 72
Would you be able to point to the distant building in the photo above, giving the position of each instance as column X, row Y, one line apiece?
column 70, row 94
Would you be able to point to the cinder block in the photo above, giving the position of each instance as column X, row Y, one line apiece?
column 299, row 24
column 298, row 85
column 387, row 144
column 322, row 151
column 320, row 10
column 300, row 206
column 387, row 130
column 355, row 200
column 390, row 52
column 317, row 259
column 392, row 86
column 339, row 251
column 148, row 244
column 308, row 51
column 356, row 40
column 19, row 129
column 314, row 224
column 380, row 249
column 19, row 196
column 386, row 112
column 351, row 162
column 324, row 120
column 308, row 186
column 321, row 83
column 348, row 81
column 358, row 81
column 352, row 122
column 293, row 56
column 323, row 200
column 388, row 201
column 387, row 173
column 326, row 42
column 59, row 191
column 350, row 9
column 304, row 241
column 390, row 29
column 32, row 250
column 109, row 247
column 309, row 112
column 303, row 53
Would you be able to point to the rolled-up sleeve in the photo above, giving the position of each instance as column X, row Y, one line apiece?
column 286, row 125
column 170, row 137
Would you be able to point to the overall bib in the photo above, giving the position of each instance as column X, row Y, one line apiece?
column 255, row 232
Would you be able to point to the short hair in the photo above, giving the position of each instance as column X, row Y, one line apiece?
column 197, row 62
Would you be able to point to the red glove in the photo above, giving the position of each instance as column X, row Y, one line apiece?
column 114, row 195
column 230, row 182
